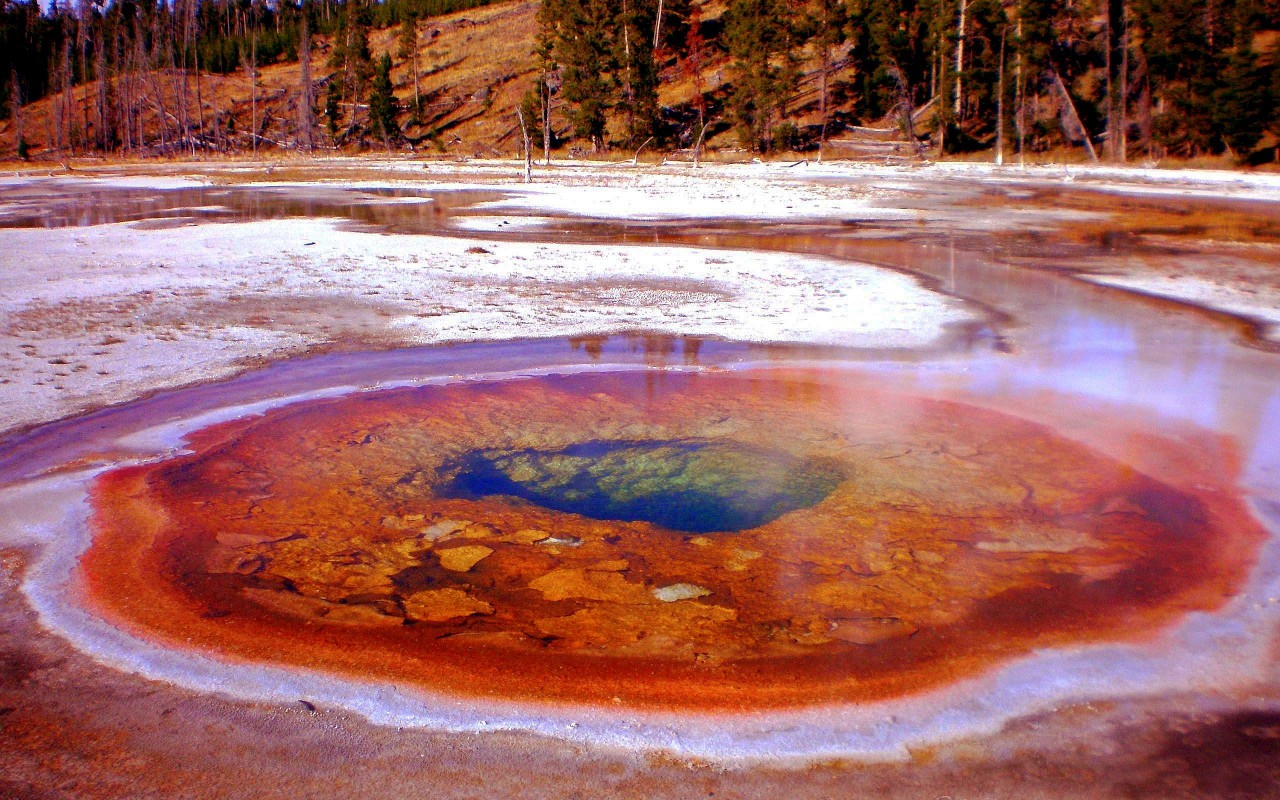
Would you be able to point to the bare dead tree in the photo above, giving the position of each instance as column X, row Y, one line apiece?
column 15, row 111
column 1122, row 140
column 1071, row 108
column 190, row 38
column 1000, row 102
column 546, row 119
column 636, row 158
column 253, row 90
column 528, row 153
column 199, row 94
column 306, row 98
column 177, row 19
column 1021, row 100
column 68, row 110
column 157, row 92
column 906, row 110
column 82, row 43
column 959, row 104
column 102, row 83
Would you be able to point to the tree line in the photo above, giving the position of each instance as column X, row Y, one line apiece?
column 133, row 75
column 1116, row 78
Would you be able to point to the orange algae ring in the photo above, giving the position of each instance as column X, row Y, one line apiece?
column 661, row 540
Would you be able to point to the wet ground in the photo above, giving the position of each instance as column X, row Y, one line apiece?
column 1037, row 555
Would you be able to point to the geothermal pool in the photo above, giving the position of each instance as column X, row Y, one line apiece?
column 1034, row 547
column 668, row 540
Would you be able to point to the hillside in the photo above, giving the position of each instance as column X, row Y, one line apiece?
column 475, row 67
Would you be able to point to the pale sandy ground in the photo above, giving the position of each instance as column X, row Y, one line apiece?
column 98, row 315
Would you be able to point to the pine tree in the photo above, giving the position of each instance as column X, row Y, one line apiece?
column 1242, row 105
column 1179, row 38
column 829, row 20
column 383, row 106
column 761, row 40
column 584, row 45
column 635, row 24
column 544, row 53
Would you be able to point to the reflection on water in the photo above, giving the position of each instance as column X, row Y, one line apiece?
column 73, row 204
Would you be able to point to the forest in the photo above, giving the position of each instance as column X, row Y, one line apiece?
column 1108, row 79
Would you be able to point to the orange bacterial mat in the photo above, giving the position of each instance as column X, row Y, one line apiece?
column 661, row 540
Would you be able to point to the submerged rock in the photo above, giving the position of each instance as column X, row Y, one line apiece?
column 679, row 591
column 462, row 559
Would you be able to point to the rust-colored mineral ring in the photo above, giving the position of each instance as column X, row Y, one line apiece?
column 768, row 539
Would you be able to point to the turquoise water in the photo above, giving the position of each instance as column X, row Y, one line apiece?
column 685, row 485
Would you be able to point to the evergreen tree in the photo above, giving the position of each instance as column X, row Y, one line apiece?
column 637, row 71
column 1180, row 40
column 1188, row 76
column 584, row 45
column 692, row 64
column 761, row 39
column 1242, row 107
column 383, row 106
column 548, row 81
column 899, row 51
column 828, row 21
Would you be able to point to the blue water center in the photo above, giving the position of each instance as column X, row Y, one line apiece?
column 697, row 486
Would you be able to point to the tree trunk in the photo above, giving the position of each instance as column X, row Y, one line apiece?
column 822, row 101
column 546, row 119
column 657, row 28
column 626, row 83
column 104, row 113
column 1071, row 106
column 253, row 91
column 199, row 98
column 528, row 154
column 15, row 112
column 959, row 106
column 1000, row 103
column 1021, row 99
column 184, row 114
column 1122, row 140
column 306, row 98
column 1114, row 23
column 417, row 97
column 83, row 34
column 697, row 147
column 66, row 109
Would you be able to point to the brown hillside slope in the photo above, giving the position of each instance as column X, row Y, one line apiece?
column 475, row 66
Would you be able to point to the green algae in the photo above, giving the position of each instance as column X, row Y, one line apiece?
column 686, row 485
